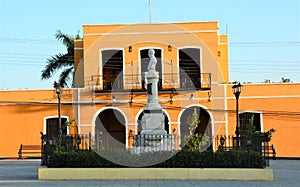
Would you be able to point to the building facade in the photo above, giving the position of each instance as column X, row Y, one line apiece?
column 110, row 91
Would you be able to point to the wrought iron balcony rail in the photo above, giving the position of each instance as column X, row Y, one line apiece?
column 169, row 81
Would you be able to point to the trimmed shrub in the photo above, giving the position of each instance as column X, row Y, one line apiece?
column 183, row 159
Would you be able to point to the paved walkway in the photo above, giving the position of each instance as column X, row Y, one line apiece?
column 24, row 173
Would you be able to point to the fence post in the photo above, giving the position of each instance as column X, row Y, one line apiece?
column 42, row 149
column 90, row 140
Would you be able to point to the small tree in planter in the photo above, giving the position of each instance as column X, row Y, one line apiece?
column 256, row 138
column 251, row 132
column 194, row 141
column 65, row 142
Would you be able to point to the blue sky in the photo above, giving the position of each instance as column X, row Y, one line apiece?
column 264, row 36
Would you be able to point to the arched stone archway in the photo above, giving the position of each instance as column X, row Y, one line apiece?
column 110, row 130
column 204, row 126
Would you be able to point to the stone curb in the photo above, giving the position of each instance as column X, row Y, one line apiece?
column 155, row 173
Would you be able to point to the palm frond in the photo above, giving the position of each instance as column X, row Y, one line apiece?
column 55, row 63
column 66, row 76
column 62, row 61
column 66, row 39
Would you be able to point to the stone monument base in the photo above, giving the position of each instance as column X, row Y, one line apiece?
column 152, row 143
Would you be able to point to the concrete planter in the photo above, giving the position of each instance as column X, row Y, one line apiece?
column 155, row 173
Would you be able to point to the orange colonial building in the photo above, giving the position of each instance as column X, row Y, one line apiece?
column 110, row 90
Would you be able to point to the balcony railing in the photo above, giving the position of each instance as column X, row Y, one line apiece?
column 182, row 81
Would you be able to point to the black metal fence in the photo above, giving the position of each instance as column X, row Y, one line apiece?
column 98, row 142
column 68, row 143
column 137, row 82
column 251, row 144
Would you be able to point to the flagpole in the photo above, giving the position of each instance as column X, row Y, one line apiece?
column 150, row 11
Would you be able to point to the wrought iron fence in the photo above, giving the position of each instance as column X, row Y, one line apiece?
column 252, row 144
column 137, row 81
column 67, row 143
column 95, row 142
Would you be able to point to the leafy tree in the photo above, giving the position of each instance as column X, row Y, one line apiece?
column 194, row 141
column 62, row 61
column 267, row 81
column 68, row 124
column 284, row 80
column 251, row 132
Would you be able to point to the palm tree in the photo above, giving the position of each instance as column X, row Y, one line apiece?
column 62, row 61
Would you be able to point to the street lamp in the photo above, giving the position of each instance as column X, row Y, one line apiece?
column 237, row 90
column 58, row 91
column 130, row 134
column 222, row 141
column 78, row 141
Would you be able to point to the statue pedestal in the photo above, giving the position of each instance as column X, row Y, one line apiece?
column 153, row 142
column 153, row 121
column 153, row 136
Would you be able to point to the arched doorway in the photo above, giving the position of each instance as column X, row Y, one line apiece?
column 139, row 122
column 203, row 127
column 110, row 130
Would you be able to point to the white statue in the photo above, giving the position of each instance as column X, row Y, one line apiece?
column 152, row 61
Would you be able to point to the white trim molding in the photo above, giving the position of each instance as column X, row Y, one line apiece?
column 151, row 33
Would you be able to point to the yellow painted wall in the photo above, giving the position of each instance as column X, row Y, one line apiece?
column 195, row 34
column 223, row 56
column 280, row 108
column 22, row 115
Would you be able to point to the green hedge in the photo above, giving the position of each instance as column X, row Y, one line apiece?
column 183, row 159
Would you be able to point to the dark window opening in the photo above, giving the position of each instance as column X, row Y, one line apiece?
column 52, row 126
column 189, row 64
column 245, row 119
column 112, row 66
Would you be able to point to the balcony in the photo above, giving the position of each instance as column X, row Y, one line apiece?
column 136, row 82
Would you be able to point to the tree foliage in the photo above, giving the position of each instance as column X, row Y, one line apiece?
column 251, row 132
column 284, row 80
column 194, row 141
column 61, row 61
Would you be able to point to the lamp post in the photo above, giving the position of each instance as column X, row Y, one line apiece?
column 78, row 141
column 237, row 90
column 222, row 141
column 58, row 91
